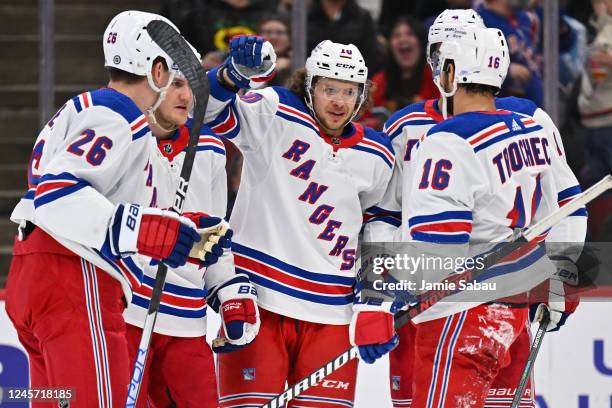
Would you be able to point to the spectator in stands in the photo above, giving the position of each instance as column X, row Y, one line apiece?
column 276, row 29
column 521, row 29
column 209, row 24
column 595, row 104
column 343, row 21
column 406, row 78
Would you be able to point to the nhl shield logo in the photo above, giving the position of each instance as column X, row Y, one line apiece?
column 248, row 374
column 168, row 148
column 395, row 382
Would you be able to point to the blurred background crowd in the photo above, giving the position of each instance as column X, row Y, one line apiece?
column 51, row 52
column 392, row 36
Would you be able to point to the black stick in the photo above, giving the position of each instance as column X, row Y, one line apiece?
column 181, row 52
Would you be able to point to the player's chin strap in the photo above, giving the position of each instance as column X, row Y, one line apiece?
column 160, row 98
column 445, row 97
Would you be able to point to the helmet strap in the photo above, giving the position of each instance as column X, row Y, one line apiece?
column 446, row 96
column 160, row 98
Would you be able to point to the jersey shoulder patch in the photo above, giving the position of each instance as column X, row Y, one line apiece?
column 514, row 104
column 117, row 102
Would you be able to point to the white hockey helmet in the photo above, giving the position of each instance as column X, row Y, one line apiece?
column 336, row 61
column 128, row 47
column 449, row 20
column 480, row 56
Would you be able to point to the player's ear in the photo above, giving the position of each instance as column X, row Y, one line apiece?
column 158, row 72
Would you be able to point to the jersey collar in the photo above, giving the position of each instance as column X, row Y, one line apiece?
column 352, row 135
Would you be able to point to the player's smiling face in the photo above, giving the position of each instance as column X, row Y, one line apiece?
column 334, row 102
column 174, row 110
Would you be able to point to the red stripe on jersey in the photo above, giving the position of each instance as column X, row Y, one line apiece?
column 229, row 124
column 210, row 140
column 139, row 123
column 289, row 280
column 489, row 133
column 86, row 101
column 298, row 113
column 378, row 147
column 170, row 299
column 43, row 188
column 134, row 283
column 444, row 227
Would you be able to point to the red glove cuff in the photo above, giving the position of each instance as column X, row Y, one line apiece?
column 373, row 328
column 239, row 309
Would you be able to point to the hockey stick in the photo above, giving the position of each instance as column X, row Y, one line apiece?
column 179, row 50
column 533, row 353
column 429, row 299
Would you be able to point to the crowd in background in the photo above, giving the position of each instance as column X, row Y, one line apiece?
column 392, row 36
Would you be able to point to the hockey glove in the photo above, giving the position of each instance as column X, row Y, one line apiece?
column 372, row 329
column 236, row 301
column 160, row 234
column 560, row 303
column 251, row 61
column 216, row 236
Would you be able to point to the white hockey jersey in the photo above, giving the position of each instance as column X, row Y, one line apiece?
column 182, row 310
column 475, row 178
column 301, row 200
column 409, row 124
column 93, row 154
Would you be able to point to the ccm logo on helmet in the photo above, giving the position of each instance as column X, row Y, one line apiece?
column 339, row 65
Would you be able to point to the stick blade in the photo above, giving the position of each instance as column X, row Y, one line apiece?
column 183, row 56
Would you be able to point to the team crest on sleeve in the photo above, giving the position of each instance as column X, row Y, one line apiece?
column 248, row 374
column 251, row 97
column 395, row 382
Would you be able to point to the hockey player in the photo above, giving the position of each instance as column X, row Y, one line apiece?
column 87, row 219
column 405, row 128
column 180, row 368
column 309, row 174
column 441, row 209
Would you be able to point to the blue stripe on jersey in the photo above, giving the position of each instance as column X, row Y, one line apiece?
column 446, row 215
column 213, row 148
column 77, row 104
column 388, row 220
column 286, row 97
column 297, row 120
column 176, row 289
column 378, row 210
column 290, row 269
column 169, row 310
column 415, row 107
column 375, row 152
column 520, row 264
column 141, row 133
column 582, row 212
column 327, row 300
column 30, row 194
column 222, row 117
column 568, row 192
column 60, row 192
column 440, row 238
column 216, row 90
column 506, row 136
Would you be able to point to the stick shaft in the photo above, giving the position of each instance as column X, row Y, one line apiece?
column 405, row 316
